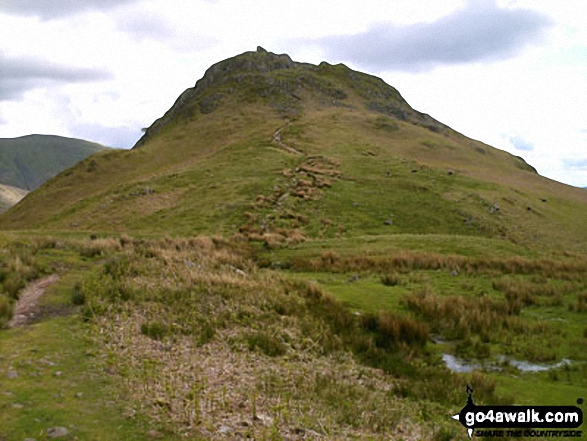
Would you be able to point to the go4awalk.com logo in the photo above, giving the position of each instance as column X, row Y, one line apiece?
column 517, row 421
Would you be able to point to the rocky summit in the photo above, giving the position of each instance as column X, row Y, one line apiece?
column 285, row 84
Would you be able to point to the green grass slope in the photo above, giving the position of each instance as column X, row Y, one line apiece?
column 274, row 150
column 28, row 161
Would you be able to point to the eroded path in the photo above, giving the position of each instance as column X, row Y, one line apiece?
column 27, row 306
column 277, row 139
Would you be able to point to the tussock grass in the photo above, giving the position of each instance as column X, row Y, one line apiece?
column 404, row 261
column 202, row 337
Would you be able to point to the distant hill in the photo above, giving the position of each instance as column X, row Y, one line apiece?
column 10, row 196
column 28, row 161
column 272, row 149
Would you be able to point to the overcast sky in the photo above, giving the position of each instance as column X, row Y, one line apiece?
column 510, row 73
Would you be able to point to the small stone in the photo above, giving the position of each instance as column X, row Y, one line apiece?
column 11, row 374
column 79, row 395
column 454, row 273
column 57, row 432
column 155, row 434
column 388, row 222
column 17, row 406
column 30, row 439
column 58, row 374
column 265, row 419
column 224, row 430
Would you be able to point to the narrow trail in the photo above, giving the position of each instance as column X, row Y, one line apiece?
column 277, row 139
column 28, row 302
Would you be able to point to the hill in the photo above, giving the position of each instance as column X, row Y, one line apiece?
column 10, row 196
column 272, row 148
column 28, row 161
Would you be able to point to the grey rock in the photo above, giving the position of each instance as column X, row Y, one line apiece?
column 11, row 374
column 224, row 430
column 494, row 208
column 57, row 432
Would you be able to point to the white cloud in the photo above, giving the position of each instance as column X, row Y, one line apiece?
column 57, row 8
column 18, row 75
column 480, row 31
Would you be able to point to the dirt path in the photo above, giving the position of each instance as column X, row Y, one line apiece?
column 279, row 142
column 27, row 305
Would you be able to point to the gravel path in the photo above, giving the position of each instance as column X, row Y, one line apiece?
column 27, row 305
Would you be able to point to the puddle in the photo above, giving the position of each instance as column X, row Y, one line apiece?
column 459, row 365
column 526, row 366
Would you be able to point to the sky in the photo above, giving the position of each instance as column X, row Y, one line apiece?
column 510, row 73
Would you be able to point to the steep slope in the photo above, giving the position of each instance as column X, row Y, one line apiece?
column 10, row 196
column 275, row 150
column 28, row 161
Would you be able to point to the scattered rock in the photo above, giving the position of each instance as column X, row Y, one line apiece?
column 494, row 208
column 155, row 434
column 454, row 273
column 57, row 432
column 79, row 395
column 17, row 406
column 223, row 430
column 388, row 222
column 11, row 374
column 30, row 439
column 58, row 374
column 264, row 419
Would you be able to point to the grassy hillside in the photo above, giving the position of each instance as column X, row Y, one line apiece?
column 10, row 196
column 278, row 150
column 28, row 161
